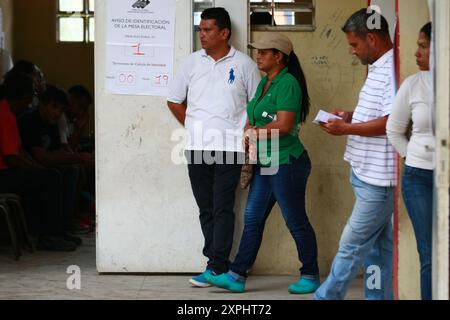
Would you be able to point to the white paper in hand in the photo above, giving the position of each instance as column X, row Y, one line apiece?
column 323, row 116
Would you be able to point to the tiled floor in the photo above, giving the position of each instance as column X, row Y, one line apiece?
column 42, row 275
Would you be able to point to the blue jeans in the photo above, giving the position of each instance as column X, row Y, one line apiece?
column 417, row 188
column 366, row 240
column 287, row 187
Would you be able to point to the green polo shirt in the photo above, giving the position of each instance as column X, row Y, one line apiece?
column 284, row 94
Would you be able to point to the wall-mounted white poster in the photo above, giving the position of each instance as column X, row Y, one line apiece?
column 140, row 46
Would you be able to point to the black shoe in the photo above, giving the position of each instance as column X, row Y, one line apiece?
column 77, row 229
column 50, row 243
column 71, row 238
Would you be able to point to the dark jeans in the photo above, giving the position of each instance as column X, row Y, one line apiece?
column 70, row 175
column 42, row 192
column 417, row 188
column 214, row 187
column 287, row 187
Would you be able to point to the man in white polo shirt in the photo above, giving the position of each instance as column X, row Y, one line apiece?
column 367, row 237
column 209, row 96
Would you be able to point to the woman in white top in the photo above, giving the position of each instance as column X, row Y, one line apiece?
column 414, row 104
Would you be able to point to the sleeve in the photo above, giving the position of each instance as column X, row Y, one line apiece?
column 399, row 119
column 289, row 96
column 389, row 94
column 252, row 82
column 9, row 146
column 178, row 87
column 63, row 129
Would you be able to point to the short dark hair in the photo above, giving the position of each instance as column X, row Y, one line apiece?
column 17, row 86
column 55, row 94
column 359, row 24
column 219, row 14
column 78, row 91
column 24, row 66
column 427, row 29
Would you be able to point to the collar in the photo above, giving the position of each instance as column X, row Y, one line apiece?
column 278, row 77
column 383, row 59
column 230, row 54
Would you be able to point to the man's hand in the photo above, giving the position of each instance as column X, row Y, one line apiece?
column 178, row 110
column 335, row 127
column 347, row 116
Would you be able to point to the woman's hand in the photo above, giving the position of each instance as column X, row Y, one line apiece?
column 249, row 137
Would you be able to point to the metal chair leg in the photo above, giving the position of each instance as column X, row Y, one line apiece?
column 16, row 205
column 12, row 230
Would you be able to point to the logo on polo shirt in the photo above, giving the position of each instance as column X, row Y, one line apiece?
column 141, row 4
column 232, row 76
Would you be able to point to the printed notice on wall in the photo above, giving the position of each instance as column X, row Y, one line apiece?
column 140, row 46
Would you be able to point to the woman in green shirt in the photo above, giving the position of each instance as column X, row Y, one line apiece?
column 282, row 167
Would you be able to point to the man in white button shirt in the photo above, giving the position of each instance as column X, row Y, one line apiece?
column 209, row 96
column 367, row 237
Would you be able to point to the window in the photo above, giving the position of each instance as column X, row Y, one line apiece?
column 75, row 21
column 199, row 6
column 282, row 15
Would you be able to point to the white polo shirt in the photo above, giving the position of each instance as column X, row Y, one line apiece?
column 217, row 93
column 373, row 159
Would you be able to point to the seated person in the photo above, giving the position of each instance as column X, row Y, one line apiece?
column 72, row 125
column 20, row 174
column 40, row 137
column 75, row 120
column 39, row 82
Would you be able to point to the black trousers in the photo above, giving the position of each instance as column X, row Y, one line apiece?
column 42, row 191
column 70, row 175
column 214, row 177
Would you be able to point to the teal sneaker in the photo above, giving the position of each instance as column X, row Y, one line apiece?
column 200, row 280
column 226, row 281
column 304, row 286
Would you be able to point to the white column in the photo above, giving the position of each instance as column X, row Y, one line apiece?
column 441, row 212
column 146, row 215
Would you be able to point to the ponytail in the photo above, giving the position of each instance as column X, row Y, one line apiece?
column 296, row 70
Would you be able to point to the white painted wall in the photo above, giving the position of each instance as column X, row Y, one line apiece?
column 147, row 219
column 387, row 8
column 441, row 211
